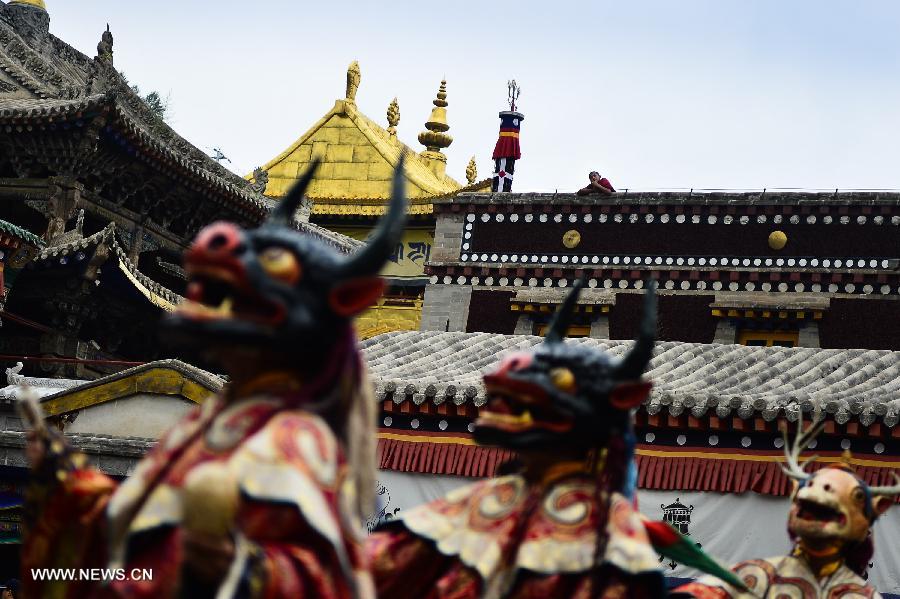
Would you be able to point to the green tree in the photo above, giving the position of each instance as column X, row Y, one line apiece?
column 158, row 105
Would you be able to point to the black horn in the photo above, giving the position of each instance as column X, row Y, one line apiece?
column 556, row 332
column 371, row 258
column 635, row 361
column 283, row 213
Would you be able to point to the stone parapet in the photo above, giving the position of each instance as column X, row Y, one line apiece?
column 446, row 307
column 448, row 234
column 687, row 198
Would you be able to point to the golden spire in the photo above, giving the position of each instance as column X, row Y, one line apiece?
column 353, row 78
column 35, row 3
column 436, row 137
column 471, row 171
column 393, row 117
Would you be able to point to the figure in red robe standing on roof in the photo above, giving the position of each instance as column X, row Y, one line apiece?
column 260, row 492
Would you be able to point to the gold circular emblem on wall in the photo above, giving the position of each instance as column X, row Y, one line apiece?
column 777, row 240
column 571, row 238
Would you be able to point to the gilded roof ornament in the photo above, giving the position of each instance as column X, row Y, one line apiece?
column 35, row 3
column 353, row 78
column 393, row 117
column 471, row 171
column 436, row 138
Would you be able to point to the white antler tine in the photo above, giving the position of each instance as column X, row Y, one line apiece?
column 887, row 491
column 792, row 450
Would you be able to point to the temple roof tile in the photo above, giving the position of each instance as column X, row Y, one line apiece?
column 712, row 378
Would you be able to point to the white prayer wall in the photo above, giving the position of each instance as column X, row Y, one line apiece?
column 729, row 527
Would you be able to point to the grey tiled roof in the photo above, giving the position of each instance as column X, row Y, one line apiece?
column 339, row 241
column 107, row 237
column 699, row 379
column 173, row 147
column 116, row 456
column 65, row 82
column 78, row 242
column 203, row 378
column 41, row 386
column 158, row 137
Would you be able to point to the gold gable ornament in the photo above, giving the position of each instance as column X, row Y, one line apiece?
column 393, row 117
column 471, row 171
column 39, row 4
column 353, row 78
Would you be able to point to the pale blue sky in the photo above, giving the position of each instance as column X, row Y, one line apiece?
column 690, row 93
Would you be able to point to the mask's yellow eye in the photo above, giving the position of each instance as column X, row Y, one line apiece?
column 281, row 264
column 563, row 379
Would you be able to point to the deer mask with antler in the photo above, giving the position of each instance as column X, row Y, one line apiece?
column 832, row 507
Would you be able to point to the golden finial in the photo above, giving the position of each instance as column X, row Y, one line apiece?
column 436, row 138
column 471, row 171
column 353, row 79
column 393, row 117
column 35, row 3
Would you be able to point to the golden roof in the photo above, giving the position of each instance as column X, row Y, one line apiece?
column 358, row 159
column 35, row 3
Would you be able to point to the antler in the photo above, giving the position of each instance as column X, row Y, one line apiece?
column 887, row 491
column 793, row 450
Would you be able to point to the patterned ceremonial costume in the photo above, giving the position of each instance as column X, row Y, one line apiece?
column 260, row 492
column 786, row 576
column 505, row 537
column 830, row 520
column 294, row 537
column 561, row 527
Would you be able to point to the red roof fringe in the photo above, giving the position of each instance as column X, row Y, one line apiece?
column 731, row 476
column 657, row 473
column 440, row 458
